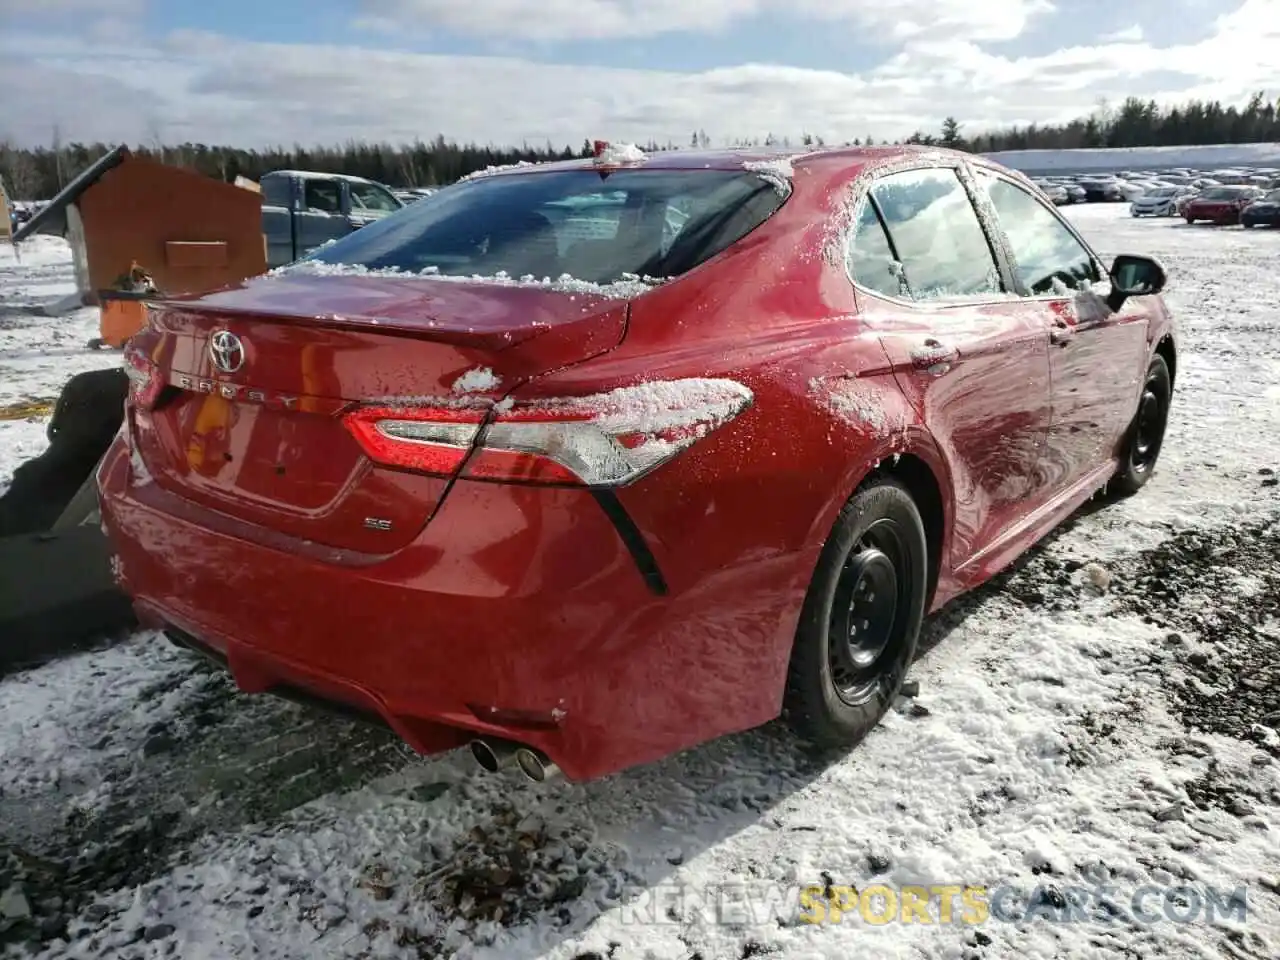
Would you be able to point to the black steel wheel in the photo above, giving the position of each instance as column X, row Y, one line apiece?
column 1146, row 433
column 861, row 618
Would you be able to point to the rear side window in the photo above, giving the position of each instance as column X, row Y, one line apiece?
column 647, row 223
column 871, row 260
column 1047, row 255
column 322, row 196
column 936, row 232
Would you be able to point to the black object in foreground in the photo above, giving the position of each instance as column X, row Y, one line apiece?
column 57, row 595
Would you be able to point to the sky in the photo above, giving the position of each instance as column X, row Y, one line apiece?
column 279, row 72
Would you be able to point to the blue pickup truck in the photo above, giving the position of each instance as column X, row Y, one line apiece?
column 302, row 210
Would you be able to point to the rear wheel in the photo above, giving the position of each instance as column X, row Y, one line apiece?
column 1146, row 432
column 861, row 618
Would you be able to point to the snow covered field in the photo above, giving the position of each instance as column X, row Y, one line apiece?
column 1079, row 752
column 1112, row 159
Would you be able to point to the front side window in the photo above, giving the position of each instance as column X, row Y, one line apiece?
column 937, row 234
column 1047, row 255
column 648, row 223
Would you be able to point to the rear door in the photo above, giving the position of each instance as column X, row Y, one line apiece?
column 1098, row 356
column 972, row 360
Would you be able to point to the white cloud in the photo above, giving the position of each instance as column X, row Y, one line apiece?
column 608, row 19
column 217, row 89
column 30, row 9
column 1131, row 34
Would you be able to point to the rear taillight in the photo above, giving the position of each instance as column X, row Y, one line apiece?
column 145, row 382
column 432, row 440
column 603, row 440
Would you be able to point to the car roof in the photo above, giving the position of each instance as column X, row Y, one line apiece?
column 317, row 175
column 735, row 158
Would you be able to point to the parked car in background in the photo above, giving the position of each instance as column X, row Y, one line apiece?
column 303, row 210
column 1160, row 202
column 414, row 194
column 512, row 513
column 1220, row 205
column 1056, row 192
column 1265, row 211
column 1102, row 190
column 1131, row 190
column 1076, row 193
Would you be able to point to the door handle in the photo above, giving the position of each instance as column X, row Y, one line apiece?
column 934, row 357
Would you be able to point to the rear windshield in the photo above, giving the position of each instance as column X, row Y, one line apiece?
column 579, row 223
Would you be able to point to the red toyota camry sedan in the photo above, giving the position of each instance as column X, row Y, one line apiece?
column 586, row 463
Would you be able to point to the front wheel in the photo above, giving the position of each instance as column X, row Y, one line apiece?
column 1146, row 432
column 861, row 618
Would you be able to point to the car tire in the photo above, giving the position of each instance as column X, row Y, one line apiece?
column 1145, row 435
column 861, row 618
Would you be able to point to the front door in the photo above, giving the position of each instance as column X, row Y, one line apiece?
column 973, row 361
column 1097, row 356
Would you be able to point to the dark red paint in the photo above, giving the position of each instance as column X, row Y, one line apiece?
column 517, row 609
column 1222, row 212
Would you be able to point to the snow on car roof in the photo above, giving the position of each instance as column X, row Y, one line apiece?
column 317, row 175
column 736, row 158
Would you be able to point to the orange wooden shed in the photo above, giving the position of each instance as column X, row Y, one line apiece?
column 188, row 232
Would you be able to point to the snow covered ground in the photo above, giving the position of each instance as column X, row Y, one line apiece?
column 38, row 354
column 1112, row 159
column 1078, row 752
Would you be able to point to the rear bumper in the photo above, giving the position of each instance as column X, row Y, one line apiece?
column 517, row 612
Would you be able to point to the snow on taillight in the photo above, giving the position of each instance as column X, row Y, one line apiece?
column 145, row 382
column 601, row 440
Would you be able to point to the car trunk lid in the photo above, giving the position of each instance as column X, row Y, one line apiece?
column 262, row 439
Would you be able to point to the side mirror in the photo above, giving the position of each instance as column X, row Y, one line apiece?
column 1134, row 276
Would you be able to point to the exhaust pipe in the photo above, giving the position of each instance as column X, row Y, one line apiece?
column 493, row 755
column 536, row 765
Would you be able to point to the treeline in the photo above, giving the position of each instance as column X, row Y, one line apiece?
column 41, row 172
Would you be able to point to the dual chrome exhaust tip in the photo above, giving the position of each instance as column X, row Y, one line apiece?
column 493, row 755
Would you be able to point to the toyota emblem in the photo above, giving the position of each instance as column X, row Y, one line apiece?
column 226, row 351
